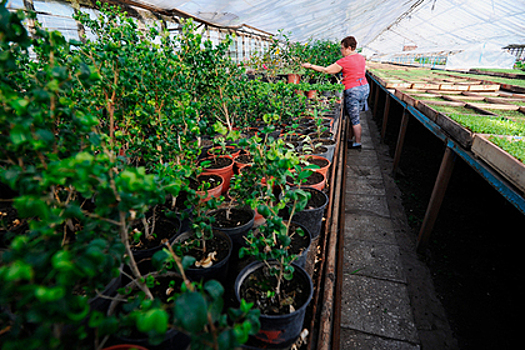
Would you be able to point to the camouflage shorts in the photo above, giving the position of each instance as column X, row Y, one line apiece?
column 355, row 102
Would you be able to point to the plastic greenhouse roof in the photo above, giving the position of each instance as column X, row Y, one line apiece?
column 380, row 26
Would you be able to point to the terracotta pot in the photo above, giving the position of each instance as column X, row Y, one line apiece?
column 311, row 93
column 322, row 170
column 214, row 192
column 294, row 78
column 226, row 172
column 239, row 165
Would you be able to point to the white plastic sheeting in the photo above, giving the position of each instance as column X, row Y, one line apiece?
column 380, row 26
column 484, row 55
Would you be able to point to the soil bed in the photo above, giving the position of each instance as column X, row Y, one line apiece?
column 236, row 218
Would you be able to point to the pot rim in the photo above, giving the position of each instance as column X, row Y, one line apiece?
column 252, row 266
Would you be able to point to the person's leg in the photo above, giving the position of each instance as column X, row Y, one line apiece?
column 352, row 108
column 359, row 94
column 356, row 129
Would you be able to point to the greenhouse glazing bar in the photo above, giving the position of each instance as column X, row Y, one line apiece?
column 485, row 171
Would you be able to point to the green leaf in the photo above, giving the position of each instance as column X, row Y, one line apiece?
column 153, row 320
column 190, row 312
column 214, row 289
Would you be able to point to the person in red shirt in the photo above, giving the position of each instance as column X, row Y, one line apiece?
column 353, row 67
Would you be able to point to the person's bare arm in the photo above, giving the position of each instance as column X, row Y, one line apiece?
column 334, row 68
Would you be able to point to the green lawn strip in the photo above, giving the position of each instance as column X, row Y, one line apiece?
column 489, row 124
column 515, row 148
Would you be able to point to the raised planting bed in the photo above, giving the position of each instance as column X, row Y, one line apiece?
column 432, row 108
column 462, row 127
column 516, row 115
column 506, row 154
column 485, row 124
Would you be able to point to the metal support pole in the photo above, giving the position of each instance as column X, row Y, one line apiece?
column 400, row 140
column 438, row 193
column 385, row 116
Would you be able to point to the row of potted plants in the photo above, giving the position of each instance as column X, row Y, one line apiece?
column 110, row 230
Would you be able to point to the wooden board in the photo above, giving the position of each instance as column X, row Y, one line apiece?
column 454, row 87
column 427, row 110
column 504, row 100
column 449, row 92
column 505, row 164
column 456, row 131
column 394, row 85
column 425, row 86
column 463, row 97
column 480, row 93
column 508, row 107
column 492, row 87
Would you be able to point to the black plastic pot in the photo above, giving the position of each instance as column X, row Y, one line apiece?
column 330, row 146
column 237, row 234
column 217, row 271
column 311, row 219
column 277, row 331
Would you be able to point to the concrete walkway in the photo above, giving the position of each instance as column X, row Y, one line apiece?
column 388, row 299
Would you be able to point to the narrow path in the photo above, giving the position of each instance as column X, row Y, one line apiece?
column 388, row 299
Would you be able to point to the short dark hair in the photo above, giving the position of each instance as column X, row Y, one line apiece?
column 349, row 41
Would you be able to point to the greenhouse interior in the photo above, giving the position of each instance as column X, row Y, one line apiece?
column 292, row 175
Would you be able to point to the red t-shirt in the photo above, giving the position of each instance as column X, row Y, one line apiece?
column 353, row 70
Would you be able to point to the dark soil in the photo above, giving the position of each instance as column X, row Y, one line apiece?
column 255, row 288
column 213, row 180
column 244, row 159
column 217, row 162
column 321, row 163
column 473, row 254
column 316, row 200
column 313, row 179
column 324, row 142
column 217, row 243
column 165, row 229
column 237, row 217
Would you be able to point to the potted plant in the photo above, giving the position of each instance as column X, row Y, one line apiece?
column 269, row 281
column 266, row 281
